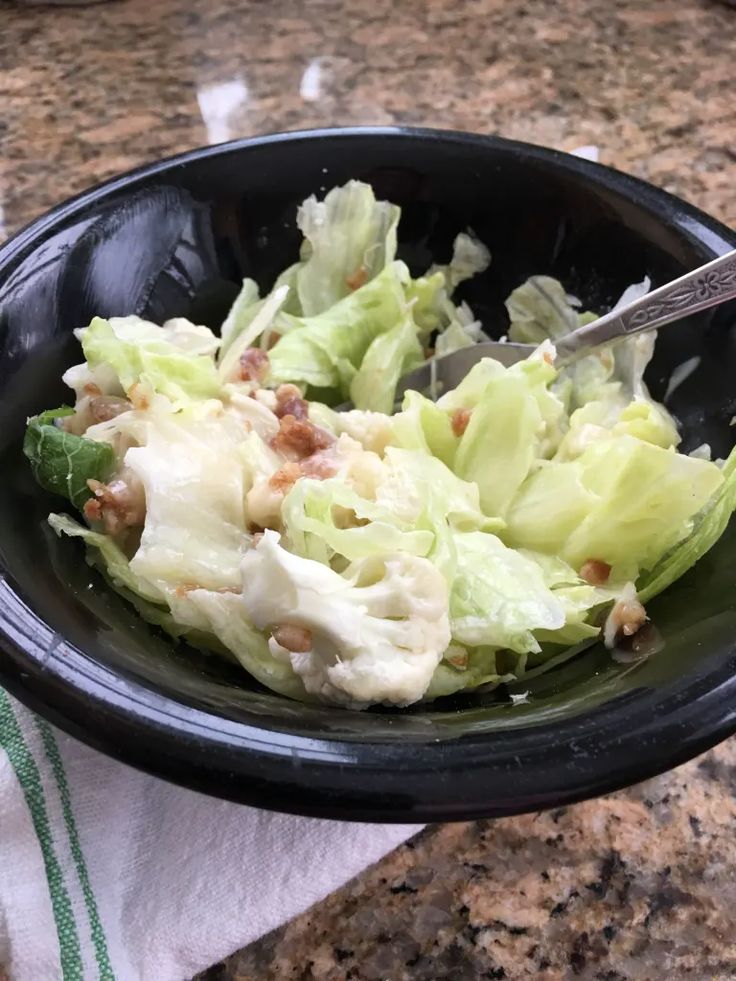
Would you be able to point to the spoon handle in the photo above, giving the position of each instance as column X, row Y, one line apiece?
column 707, row 286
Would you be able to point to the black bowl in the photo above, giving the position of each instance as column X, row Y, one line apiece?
column 175, row 238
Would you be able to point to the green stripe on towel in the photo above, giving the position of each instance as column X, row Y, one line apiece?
column 22, row 761
column 98, row 934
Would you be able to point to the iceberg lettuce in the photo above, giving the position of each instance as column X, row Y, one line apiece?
column 178, row 364
column 326, row 350
column 622, row 501
column 499, row 596
column 349, row 238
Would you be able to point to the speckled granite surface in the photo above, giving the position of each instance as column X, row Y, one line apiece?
column 639, row 885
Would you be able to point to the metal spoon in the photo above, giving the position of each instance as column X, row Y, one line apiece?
column 705, row 287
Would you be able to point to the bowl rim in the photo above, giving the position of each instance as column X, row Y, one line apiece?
column 326, row 777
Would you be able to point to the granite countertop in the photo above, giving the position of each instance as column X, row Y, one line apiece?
column 639, row 884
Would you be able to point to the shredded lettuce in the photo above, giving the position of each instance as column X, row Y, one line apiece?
column 389, row 356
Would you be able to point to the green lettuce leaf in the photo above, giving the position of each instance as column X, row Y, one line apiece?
column 463, row 669
column 540, row 310
column 388, row 357
column 423, row 425
column 499, row 596
column 245, row 306
column 469, row 257
column 421, row 490
column 349, row 239
column 62, row 462
column 615, row 415
column 462, row 331
column 140, row 352
column 514, row 420
column 430, row 306
column 709, row 525
column 622, row 501
column 327, row 350
column 326, row 518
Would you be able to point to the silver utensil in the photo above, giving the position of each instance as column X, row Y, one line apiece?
column 707, row 286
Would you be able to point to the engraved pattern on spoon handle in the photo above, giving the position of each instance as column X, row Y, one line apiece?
column 687, row 294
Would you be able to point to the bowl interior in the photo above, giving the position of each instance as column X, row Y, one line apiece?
column 177, row 240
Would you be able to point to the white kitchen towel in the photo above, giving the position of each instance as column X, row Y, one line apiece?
column 107, row 873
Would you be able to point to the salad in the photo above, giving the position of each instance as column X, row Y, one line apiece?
column 368, row 555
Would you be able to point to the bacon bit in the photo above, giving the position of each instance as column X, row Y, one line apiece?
column 105, row 407
column 460, row 420
column 92, row 510
column 254, row 364
column 547, row 358
column 357, row 279
column 289, row 402
column 91, row 389
column 595, row 572
column 293, row 638
column 118, row 505
column 139, row 397
column 283, row 479
column 299, row 438
column 273, row 339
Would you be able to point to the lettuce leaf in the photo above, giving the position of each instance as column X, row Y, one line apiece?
column 224, row 615
column 326, row 350
column 504, row 434
column 423, row 425
column 622, row 501
column 469, row 257
column 326, row 518
column 62, row 462
column 245, row 306
column 423, row 491
column 388, row 357
column 140, row 352
column 349, row 239
column 709, row 525
column 499, row 596
column 113, row 559
column 464, row 669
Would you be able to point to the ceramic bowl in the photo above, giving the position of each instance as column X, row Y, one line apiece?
column 175, row 238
